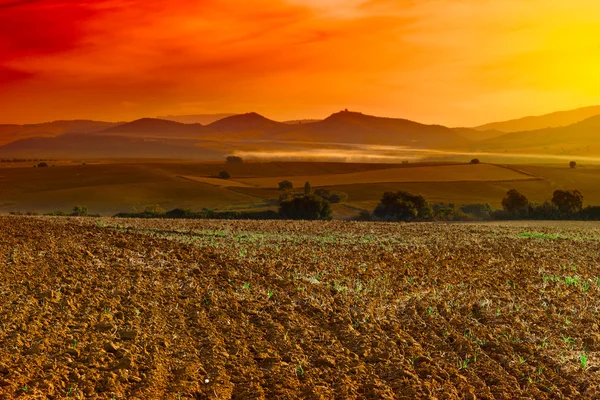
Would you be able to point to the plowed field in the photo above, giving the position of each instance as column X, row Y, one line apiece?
column 142, row 309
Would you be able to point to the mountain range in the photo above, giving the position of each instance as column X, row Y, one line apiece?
column 568, row 132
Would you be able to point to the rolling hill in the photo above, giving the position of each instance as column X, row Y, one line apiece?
column 250, row 122
column 203, row 119
column 107, row 146
column 10, row 133
column 353, row 127
column 154, row 128
column 580, row 138
column 553, row 120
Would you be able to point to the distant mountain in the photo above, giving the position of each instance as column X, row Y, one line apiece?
column 153, row 127
column 580, row 138
column 353, row 127
column 9, row 133
column 203, row 119
column 553, row 120
column 246, row 123
column 108, row 146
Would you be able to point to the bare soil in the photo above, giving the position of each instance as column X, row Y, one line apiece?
column 143, row 309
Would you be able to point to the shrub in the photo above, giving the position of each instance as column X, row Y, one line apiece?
column 573, row 164
column 546, row 210
column 224, row 175
column 403, row 206
column 180, row 213
column 365, row 215
column 80, row 211
column 591, row 213
column 475, row 161
column 285, row 197
column 308, row 207
column 42, row 165
column 568, row 201
column 234, row 160
column 501, row 215
column 286, row 185
column 155, row 210
column 483, row 211
column 332, row 197
column 515, row 203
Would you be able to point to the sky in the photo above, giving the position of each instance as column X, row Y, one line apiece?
column 451, row 62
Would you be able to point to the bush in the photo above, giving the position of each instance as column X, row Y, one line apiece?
column 573, row 164
column 224, row 175
column 42, row 165
column 332, row 197
column 568, row 201
column 155, row 210
column 483, row 211
column 365, row 215
column 286, row 185
column 475, row 161
column 502, row 215
column 515, row 203
column 180, row 213
column 590, row 213
column 546, row 210
column 309, row 207
column 234, row 160
column 80, row 211
column 403, row 206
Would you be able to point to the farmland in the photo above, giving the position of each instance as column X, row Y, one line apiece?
column 109, row 187
column 142, row 309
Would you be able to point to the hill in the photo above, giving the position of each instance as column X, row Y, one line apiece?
column 477, row 136
column 250, row 122
column 203, row 119
column 555, row 119
column 577, row 139
column 9, row 133
column 107, row 146
column 153, row 127
column 354, row 127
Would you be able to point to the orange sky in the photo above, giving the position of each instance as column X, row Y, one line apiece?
column 454, row 62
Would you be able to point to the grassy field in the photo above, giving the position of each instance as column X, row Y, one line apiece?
column 110, row 187
column 138, row 309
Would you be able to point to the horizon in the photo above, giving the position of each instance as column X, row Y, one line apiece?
column 290, row 60
column 225, row 115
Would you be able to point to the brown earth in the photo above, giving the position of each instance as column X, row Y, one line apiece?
column 153, row 309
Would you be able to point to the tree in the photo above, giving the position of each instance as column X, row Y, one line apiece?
column 568, row 201
column 573, row 164
column 224, row 175
column 309, row 207
column 286, row 185
column 234, row 160
column 475, row 161
column 307, row 188
column 403, row 206
column 515, row 203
